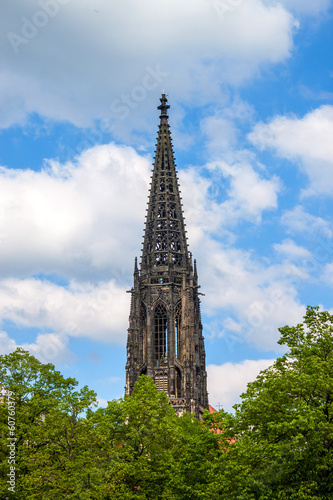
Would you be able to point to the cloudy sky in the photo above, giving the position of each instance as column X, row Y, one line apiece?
column 250, row 88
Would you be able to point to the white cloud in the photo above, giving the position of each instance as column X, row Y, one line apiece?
column 82, row 219
column 7, row 344
column 307, row 141
column 315, row 95
column 257, row 298
column 102, row 403
column 48, row 347
column 228, row 381
column 99, row 312
column 221, row 132
column 298, row 220
column 327, row 275
column 112, row 380
column 229, row 194
column 291, row 250
column 307, row 7
column 184, row 47
column 221, row 129
column 249, row 193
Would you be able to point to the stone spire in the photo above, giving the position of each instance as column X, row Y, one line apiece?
column 165, row 239
column 165, row 338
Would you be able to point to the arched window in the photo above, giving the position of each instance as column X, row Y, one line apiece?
column 160, row 335
column 178, row 383
column 178, row 320
column 143, row 333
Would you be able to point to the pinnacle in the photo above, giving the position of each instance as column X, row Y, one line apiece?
column 165, row 239
column 163, row 107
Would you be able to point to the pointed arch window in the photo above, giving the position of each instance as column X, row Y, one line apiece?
column 161, row 334
column 143, row 333
column 178, row 320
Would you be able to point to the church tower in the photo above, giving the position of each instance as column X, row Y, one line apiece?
column 165, row 338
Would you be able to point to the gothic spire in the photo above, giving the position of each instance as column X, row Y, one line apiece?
column 165, row 339
column 165, row 242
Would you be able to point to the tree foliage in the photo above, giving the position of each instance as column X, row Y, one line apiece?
column 49, row 433
column 277, row 445
column 283, row 427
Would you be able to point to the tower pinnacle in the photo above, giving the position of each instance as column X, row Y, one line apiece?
column 165, row 237
column 163, row 107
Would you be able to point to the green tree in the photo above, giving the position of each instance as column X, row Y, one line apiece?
column 137, row 437
column 135, row 448
column 51, row 436
column 284, row 426
column 146, row 451
column 61, row 459
column 278, row 445
column 195, row 463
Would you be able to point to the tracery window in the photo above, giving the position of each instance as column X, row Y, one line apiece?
column 161, row 334
column 143, row 333
column 178, row 319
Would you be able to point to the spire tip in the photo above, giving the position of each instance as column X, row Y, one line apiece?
column 163, row 107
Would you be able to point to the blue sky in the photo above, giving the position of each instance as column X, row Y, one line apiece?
column 250, row 88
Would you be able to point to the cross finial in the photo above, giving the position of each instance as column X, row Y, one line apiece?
column 163, row 107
